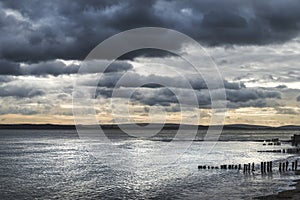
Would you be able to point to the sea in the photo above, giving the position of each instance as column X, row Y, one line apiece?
column 58, row 164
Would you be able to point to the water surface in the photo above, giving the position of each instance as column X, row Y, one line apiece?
column 48, row 164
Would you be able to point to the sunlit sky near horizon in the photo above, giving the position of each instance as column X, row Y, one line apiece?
column 255, row 45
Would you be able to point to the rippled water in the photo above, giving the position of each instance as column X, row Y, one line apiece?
column 48, row 164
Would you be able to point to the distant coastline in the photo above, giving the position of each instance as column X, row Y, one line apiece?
column 166, row 126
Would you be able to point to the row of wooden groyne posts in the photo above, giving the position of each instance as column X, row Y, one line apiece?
column 290, row 150
column 264, row 167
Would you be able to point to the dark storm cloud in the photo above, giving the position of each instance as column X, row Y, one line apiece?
column 162, row 94
column 132, row 79
column 163, row 97
column 246, row 94
column 56, row 68
column 34, row 31
column 238, row 98
column 281, row 87
column 9, row 68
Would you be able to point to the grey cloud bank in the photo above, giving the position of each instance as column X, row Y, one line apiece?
column 34, row 31
column 20, row 91
column 237, row 94
column 56, row 68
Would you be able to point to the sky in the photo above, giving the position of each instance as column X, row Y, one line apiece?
column 254, row 44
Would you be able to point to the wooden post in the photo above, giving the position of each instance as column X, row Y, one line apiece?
column 287, row 166
column 296, row 164
column 253, row 167
column 280, row 166
column 271, row 163
column 293, row 166
column 268, row 166
column 262, row 167
column 240, row 166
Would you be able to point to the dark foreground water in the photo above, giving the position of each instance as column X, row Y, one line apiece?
column 49, row 164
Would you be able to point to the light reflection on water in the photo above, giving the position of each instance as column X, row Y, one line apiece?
column 56, row 164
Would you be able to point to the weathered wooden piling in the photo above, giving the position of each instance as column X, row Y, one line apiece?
column 280, row 166
column 293, row 166
column 265, row 164
column 262, row 167
column 271, row 166
column 240, row 166
column 253, row 167
column 286, row 165
column 296, row 164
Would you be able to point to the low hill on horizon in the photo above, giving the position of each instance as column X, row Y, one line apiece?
column 165, row 126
